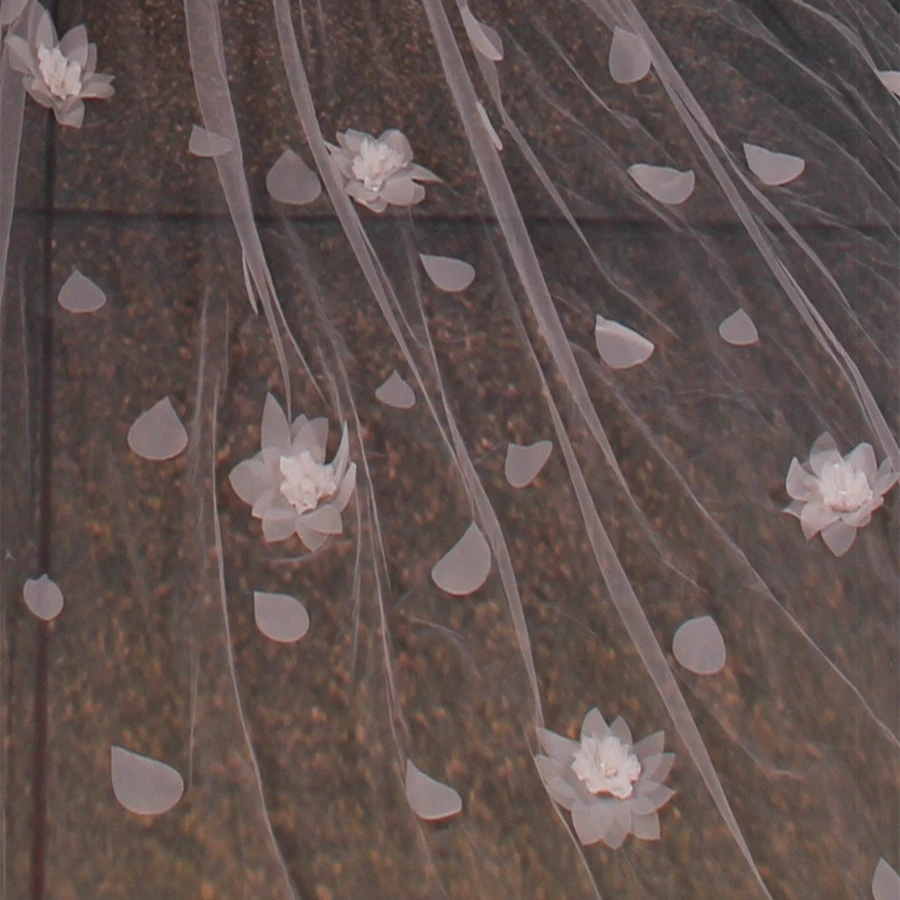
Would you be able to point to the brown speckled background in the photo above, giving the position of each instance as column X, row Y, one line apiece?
column 703, row 434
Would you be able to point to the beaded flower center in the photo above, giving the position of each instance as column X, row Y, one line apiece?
column 61, row 75
column 306, row 482
column 843, row 487
column 375, row 163
column 607, row 767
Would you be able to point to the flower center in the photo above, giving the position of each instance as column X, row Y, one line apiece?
column 306, row 482
column 61, row 75
column 843, row 487
column 375, row 163
column 607, row 767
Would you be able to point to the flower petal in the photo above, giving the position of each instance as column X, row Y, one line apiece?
column 420, row 173
column 312, row 438
column 738, row 330
column 800, row 484
column 275, row 429
column 483, row 38
column 772, row 168
column 98, row 87
column 465, row 567
column 657, row 768
column 343, row 453
column 264, row 502
column 448, row 273
column 351, row 139
column 430, row 799
column 885, row 881
column 74, row 45
column 885, row 478
column 629, row 57
column 324, row 520
column 839, row 537
column 278, row 524
column 594, row 725
column 312, row 540
column 45, row 31
column 248, row 480
column 645, row 828
column 698, row 645
column 649, row 746
column 142, row 785
column 396, row 392
column 560, row 748
column 824, row 450
column 524, row 462
column 399, row 190
column 21, row 56
column 397, row 141
column 619, row 728
column 280, row 617
column 158, row 434
column 206, row 144
column 619, row 346
column 593, row 822
column 658, row 794
column 43, row 597
column 345, row 491
column 557, row 787
column 73, row 117
column 862, row 457
column 815, row 517
column 663, row 183
column 292, row 181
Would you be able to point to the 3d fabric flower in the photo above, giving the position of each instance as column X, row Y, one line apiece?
column 59, row 75
column 611, row 787
column 288, row 483
column 837, row 495
column 379, row 172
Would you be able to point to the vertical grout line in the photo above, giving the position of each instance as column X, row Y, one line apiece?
column 41, row 713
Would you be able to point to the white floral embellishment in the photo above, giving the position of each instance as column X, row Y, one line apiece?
column 59, row 75
column 612, row 788
column 379, row 172
column 288, row 483
column 607, row 767
column 836, row 495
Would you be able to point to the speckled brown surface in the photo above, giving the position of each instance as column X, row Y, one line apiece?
column 151, row 655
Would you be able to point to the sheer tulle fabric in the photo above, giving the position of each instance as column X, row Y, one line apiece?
column 494, row 342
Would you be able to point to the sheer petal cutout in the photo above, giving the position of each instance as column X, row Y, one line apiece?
column 839, row 537
column 698, row 645
column 772, row 168
column 158, row 434
column 275, row 432
column 466, row 566
column 594, row 725
column 396, row 392
column 663, row 183
column 738, row 329
column 448, row 274
column 430, row 799
column 10, row 10
column 143, row 785
column 80, row 295
column 629, row 57
column 43, row 598
column 619, row 346
column 885, row 882
column 208, row 144
column 292, row 181
column 524, row 462
column 280, row 617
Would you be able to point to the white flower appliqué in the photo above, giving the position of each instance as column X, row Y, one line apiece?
column 606, row 767
column 59, row 75
column 288, row 483
column 837, row 495
column 379, row 172
column 62, row 76
column 612, row 788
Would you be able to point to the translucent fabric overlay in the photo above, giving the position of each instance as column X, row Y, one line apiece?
column 400, row 406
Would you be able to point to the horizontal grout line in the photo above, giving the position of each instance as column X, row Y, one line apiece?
column 62, row 215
